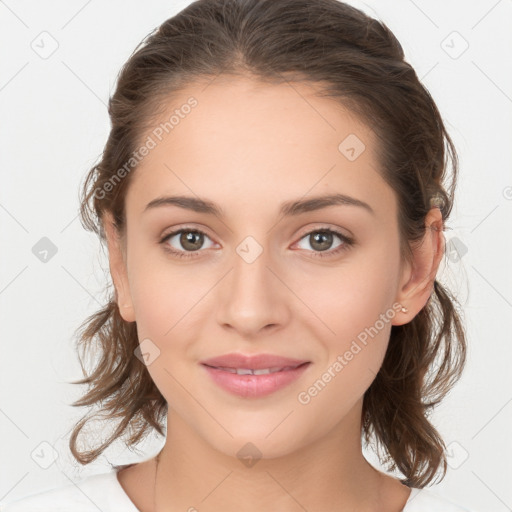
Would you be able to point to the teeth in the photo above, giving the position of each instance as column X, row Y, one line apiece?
column 249, row 371
column 263, row 371
column 244, row 371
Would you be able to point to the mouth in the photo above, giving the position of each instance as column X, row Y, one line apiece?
column 256, row 371
column 255, row 382
column 239, row 361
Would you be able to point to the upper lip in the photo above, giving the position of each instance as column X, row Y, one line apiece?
column 253, row 362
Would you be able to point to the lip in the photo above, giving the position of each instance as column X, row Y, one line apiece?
column 254, row 362
column 255, row 386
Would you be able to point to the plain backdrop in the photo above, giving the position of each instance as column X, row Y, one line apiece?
column 59, row 62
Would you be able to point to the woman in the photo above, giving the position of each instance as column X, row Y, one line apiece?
column 273, row 199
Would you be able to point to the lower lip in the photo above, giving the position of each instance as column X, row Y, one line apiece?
column 254, row 385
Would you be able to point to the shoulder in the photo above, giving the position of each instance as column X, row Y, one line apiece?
column 425, row 500
column 96, row 492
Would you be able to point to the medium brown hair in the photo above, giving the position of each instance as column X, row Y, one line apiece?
column 357, row 60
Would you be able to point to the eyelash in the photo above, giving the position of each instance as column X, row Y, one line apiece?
column 346, row 245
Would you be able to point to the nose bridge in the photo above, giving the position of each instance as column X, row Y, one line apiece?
column 251, row 299
column 251, row 275
column 250, row 272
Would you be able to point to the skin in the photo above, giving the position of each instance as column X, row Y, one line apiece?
column 248, row 147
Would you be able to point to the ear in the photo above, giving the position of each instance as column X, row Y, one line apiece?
column 118, row 270
column 417, row 282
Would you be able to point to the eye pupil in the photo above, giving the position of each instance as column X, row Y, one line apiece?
column 189, row 237
column 322, row 236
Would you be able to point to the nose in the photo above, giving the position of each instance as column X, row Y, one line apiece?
column 253, row 297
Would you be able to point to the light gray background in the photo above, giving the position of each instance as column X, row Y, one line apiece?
column 54, row 125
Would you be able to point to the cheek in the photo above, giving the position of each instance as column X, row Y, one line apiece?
column 359, row 324
column 159, row 296
column 352, row 315
column 351, row 297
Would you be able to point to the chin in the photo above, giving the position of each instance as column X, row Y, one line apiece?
column 256, row 445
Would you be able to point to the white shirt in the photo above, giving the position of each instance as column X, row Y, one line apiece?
column 104, row 492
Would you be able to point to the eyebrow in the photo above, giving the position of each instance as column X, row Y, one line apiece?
column 288, row 208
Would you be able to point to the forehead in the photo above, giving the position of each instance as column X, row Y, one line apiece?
column 246, row 140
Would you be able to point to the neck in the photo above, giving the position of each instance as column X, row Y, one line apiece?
column 324, row 475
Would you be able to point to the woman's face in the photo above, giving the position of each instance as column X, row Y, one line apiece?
column 259, row 280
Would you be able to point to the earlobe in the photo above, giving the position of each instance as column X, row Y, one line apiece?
column 418, row 281
column 118, row 269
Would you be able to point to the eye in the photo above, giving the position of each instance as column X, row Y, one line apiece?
column 190, row 239
column 321, row 240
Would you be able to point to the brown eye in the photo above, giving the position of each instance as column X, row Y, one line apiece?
column 185, row 241
column 321, row 240
column 191, row 240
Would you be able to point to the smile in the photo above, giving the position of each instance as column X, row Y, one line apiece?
column 251, row 371
column 256, row 383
